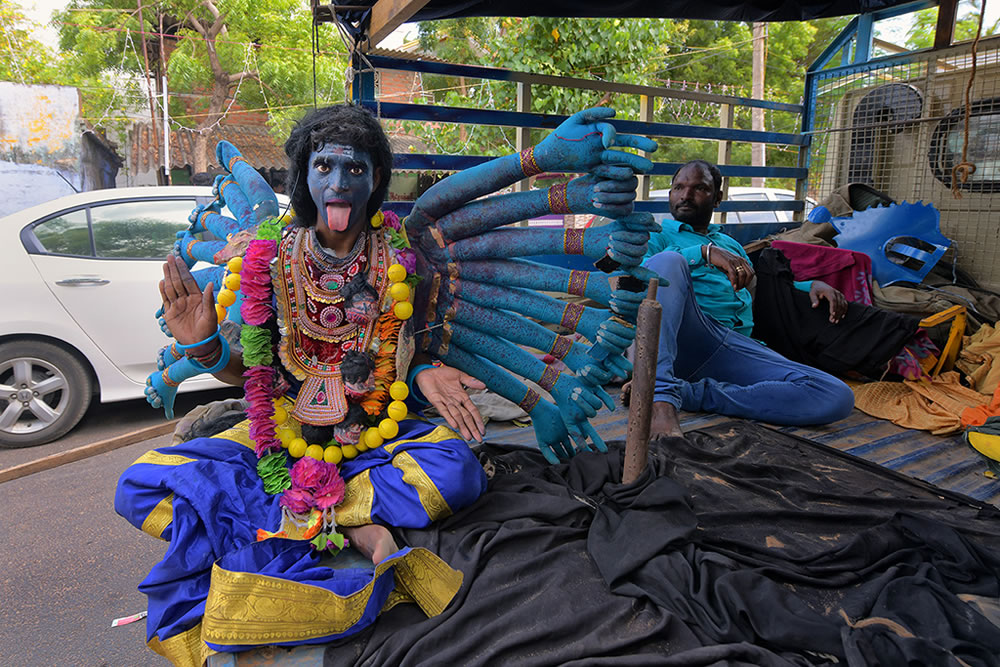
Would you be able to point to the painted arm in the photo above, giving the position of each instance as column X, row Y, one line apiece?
column 581, row 143
column 576, row 401
column 550, row 432
column 583, row 195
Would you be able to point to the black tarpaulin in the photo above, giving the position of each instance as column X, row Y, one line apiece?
column 721, row 10
column 740, row 545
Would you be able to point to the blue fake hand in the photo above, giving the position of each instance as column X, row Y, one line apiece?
column 615, row 336
column 584, row 140
column 625, row 304
column 639, row 221
column 627, row 247
column 601, row 196
column 550, row 432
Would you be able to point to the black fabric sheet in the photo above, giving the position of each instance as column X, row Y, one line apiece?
column 864, row 341
column 740, row 545
column 720, row 10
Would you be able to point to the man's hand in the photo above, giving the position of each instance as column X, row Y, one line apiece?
column 445, row 389
column 737, row 269
column 189, row 312
column 838, row 303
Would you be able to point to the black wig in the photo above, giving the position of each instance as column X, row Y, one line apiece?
column 346, row 124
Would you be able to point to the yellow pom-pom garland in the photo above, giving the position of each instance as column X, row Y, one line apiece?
column 403, row 310
column 397, row 273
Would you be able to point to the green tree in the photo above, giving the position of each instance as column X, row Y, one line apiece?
column 921, row 34
column 23, row 59
column 221, row 57
column 708, row 56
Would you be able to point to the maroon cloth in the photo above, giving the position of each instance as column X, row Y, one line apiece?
column 847, row 270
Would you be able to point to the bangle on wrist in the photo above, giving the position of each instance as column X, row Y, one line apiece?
column 706, row 252
column 220, row 363
column 201, row 342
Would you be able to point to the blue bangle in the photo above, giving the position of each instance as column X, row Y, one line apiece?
column 220, row 364
column 411, row 382
column 201, row 342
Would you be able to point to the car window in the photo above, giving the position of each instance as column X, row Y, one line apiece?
column 758, row 216
column 749, row 196
column 67, row 234
column 144, row 229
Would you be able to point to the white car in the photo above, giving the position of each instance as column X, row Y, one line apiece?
column 737, row 193
column 79, row 297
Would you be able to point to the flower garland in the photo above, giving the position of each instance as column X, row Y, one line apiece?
column 313, row 486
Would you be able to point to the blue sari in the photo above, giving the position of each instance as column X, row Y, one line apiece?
column 219, row 589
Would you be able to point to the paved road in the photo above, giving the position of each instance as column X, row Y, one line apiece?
column 113, row 419
column 69, row 565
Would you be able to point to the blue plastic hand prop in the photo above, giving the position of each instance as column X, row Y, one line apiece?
column 584, row 141
column 601, row 196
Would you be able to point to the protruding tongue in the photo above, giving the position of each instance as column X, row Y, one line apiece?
column 338, row 216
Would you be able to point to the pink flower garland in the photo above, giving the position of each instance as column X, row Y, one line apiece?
column 256, row 309
column 314, row 484
column 259, row 390
column 255, row 282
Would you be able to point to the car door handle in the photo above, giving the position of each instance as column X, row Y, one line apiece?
column 73, row 282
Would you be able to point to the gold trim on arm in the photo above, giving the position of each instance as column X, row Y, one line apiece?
column 159, row 518
column 244, row 608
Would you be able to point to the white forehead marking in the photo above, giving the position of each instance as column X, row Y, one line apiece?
column 338, row 149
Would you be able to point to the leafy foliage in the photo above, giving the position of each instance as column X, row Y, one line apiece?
column 221, row 58
column 23, row 59
column 921, row 34
column 707, row 56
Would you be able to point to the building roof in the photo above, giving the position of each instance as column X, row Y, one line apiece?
column 254, row 142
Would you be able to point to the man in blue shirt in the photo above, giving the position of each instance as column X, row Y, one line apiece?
column 706, row 360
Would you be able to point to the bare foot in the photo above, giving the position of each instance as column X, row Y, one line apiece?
column 373, row 540
column 665, row 421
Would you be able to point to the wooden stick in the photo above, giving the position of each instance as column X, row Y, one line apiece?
column 640, row 412
column 86, row 451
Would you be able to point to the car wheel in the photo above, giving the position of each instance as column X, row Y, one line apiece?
column 44, row 391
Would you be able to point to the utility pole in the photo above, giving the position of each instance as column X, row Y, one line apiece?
column 149, row 87
column 757, row 155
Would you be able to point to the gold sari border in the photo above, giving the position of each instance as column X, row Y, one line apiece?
column 159, row 518
column 183, row 650
column 359, row 497
column 430, row 496
column 255, row 609
column 158, row 458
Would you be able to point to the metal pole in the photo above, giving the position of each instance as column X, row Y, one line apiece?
column 640, row 411
column 166, row 132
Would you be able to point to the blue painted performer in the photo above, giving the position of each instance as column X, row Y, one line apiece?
column 344, row 324
column 707, row 362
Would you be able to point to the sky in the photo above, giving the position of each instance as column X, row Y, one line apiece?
column 893, row 30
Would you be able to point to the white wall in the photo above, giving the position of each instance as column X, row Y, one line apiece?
column 39, row 140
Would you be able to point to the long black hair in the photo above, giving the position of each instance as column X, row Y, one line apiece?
column 345, row 124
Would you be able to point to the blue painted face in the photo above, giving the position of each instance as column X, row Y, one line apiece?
column 340, row 179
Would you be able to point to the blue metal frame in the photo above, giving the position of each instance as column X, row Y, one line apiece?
column 860, row 32
column 363, row 92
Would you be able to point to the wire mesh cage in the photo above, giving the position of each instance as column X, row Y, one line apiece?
column 899, row 125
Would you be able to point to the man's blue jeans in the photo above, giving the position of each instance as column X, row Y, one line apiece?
column 705, row 367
